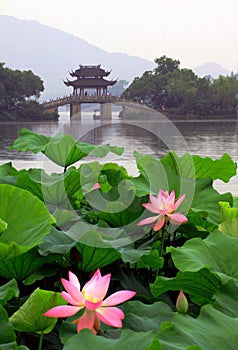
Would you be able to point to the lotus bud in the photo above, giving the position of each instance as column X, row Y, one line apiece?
column 182, row 303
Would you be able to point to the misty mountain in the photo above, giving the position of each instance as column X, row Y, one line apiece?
column 211, row 68
column 52, row 53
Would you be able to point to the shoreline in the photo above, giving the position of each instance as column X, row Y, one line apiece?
column 165, row 114
column 191, row 118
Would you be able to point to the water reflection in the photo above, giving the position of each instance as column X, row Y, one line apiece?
column 207, row 138
column 211, row 138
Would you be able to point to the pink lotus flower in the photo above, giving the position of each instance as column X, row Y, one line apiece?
column 164, row 205
column 91, row 298
column 96, row 186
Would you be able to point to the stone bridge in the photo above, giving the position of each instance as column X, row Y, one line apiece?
column 105, row 102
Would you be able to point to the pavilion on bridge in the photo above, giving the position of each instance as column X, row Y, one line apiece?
column 90, row 79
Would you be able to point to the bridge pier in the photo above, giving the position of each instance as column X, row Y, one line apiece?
column 75, row 108
column 106, row 111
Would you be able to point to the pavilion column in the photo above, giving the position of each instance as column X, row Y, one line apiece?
column 106, row 111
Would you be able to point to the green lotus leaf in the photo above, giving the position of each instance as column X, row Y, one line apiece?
column 96, row 236
column 229, row 227
column 89, row 175
column 226, row 298
column 207, row 199
column 128, row 279
column 6, row 179
column 141, row 317
column 128, row 340
column 120, row 207
column 28, row 221
column 7, row 334
column 114, row 173
column 22, row 266
column 152, row 260
column 31, row 180
column 8, row 291
column 29, row 317
column 229, row 223
column 200, row 285
column 8, row 174
column 197, row 225
column 155, row 175
column 130, row 254
column 8, row 169
column 218, row 253
column 3, row 225
column 211, row 330
column 109, row 175
column 63, row 150
column 64, row 217
column 56, row 242
column 155, row 345
column 52, row 189
column 90, row 258
column 30, row 141
column 235, row 201
column 201, row 167
column 227, row 212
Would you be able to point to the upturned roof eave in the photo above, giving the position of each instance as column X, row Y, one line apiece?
column 90, row 83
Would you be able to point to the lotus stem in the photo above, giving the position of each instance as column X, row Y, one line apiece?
column 41, row 341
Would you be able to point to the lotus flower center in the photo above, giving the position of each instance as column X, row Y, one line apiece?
column 163, row 211
column 90, row 298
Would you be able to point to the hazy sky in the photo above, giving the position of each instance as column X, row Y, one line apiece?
column 195, row 32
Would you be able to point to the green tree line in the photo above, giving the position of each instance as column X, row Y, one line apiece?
column 18, row 93
column 181, row 92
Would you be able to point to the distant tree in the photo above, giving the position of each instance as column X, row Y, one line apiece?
column 17, row 88
column 203, row 101
column 225, row 94
column 166, row 65
column 141, row 89
column 32, row 84
column 182, row 92
column 151, row 87
column 181, row 87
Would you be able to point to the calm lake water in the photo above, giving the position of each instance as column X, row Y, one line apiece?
column 205, row 138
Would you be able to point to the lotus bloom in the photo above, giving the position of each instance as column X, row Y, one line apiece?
column 164, row 206
column 92, row 299
column 96, row 186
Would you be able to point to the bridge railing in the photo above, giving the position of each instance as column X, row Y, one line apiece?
column 80, row 99
column 61, row 101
